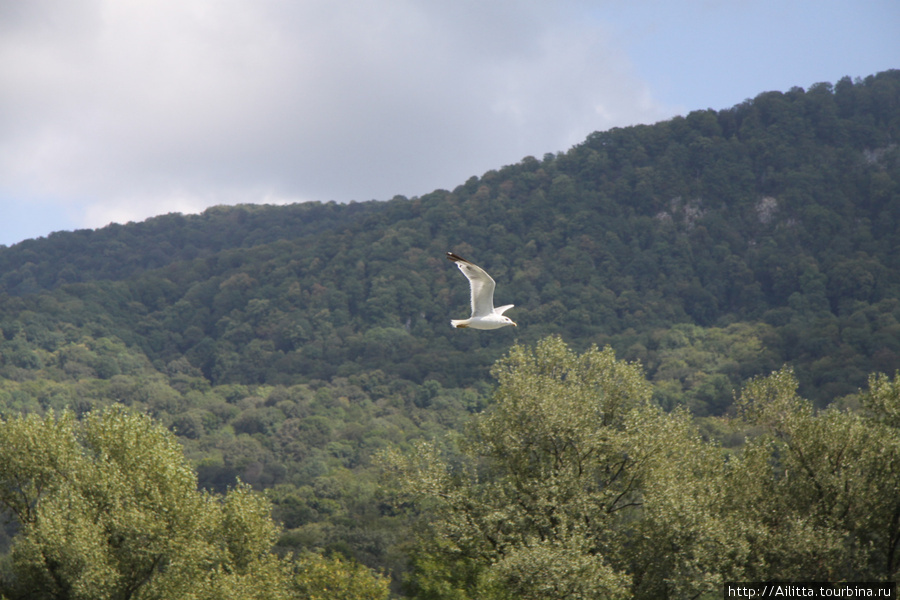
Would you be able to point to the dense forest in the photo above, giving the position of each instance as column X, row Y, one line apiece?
column 736, row 263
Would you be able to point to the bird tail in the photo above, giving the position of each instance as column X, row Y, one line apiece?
column 461, row 324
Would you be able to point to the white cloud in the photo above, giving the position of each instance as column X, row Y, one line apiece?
column 122, row 109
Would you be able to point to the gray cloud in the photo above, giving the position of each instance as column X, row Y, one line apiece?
column 121, row 110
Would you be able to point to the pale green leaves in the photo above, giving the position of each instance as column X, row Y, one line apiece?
column 822, row 490
column 109, row 509
column 573, row 485
column 883, row 399
column 552, row 481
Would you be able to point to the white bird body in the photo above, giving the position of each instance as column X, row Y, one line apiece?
column 484, row 315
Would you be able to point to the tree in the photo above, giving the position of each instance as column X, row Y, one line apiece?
column 320, row 578
column 109, row 509
column 547, row 498
column 819, row 493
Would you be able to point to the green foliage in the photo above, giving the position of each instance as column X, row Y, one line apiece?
column 572, row 485
column 553, row 480
column 821, row 492
column 318, row 578
column 883, row 399
column 109, row 508
column 700, row 367
column 310, row 445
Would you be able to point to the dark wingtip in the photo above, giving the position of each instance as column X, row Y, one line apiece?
column 455, row 257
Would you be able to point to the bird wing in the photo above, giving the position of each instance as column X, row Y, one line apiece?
column 481, row 283
column 502, row 309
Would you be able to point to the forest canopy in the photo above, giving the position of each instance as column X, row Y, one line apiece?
column 574, row 485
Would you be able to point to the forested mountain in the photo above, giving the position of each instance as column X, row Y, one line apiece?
column 781, row 212
column 288, row 345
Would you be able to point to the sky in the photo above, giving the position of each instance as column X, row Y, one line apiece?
column 119, row 110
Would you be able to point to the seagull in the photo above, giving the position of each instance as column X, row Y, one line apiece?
column 484, row 315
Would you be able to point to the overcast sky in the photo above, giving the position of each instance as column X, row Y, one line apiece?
column 118, row 110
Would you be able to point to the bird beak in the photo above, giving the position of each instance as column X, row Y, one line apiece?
column 514, row 324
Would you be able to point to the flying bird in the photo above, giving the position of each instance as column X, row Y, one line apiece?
column 484, row 315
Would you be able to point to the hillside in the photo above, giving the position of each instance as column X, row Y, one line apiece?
column 287, row 345
column 781, row 212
